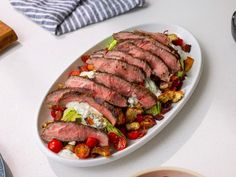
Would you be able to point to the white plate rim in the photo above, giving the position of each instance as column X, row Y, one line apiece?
column 152, row 132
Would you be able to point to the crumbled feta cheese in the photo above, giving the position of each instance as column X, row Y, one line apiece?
column 66, row 153
column 72, row 143
column 132, row 101
column 89, row 74
column 150, row 84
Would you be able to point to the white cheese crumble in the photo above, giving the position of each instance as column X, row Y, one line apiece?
column 132, row 101
column 89, row 74
column 85, row 110
column 150, row 84
column 66, row 153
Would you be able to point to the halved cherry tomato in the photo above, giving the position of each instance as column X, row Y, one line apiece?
column 91, row 142
column 113, row 138
column 57, row 112
column 82, row 151
column 90, row 67
column 136, row 134
column 139, row 118
column 84, row 67
column 84, row 58
column 178, row 41
column 55, row 145
column 119, row 142
column 75, row 72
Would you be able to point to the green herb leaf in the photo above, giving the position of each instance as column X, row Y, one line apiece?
column 180, row 74
column 70, row 115
column 155, row 110
column 112, row 44
column 110, row 128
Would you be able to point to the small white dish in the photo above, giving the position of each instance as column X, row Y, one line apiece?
column 167, row 172
column 188, row 87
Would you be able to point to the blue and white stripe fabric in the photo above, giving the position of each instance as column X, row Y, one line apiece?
column 63, row 16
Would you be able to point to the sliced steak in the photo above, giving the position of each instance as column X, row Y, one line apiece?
column 122, row 69
column 118, row 55
column 123, row 36
column 146, row 98
column 68, row 131
column 162, row 38
column 97, row 90
column 108, row 111
column 159, row 67
column 170, row 60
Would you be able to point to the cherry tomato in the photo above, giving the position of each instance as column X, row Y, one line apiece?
column 84, row 68
column 136, row 134
column 82, row 151
column 75, row 72
column 84, row 58
column 178, row 42
column 121, row 144
column 90, row 67
column 113, row 138
column 91, row 142
column 55, row 145
column 57, row 112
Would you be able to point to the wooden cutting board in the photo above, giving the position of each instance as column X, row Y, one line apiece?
column 7, row 36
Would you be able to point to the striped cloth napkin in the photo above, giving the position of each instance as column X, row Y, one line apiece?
column 63, row 16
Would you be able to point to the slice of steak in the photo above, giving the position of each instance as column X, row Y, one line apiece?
column 124, row 36
column 170, row 60
column 162, row 38
column 118, row 55
column 107, row 110
column 159, row 67
column 68, row 131
column 146, row 98
column 122, row 69
column 97, row 90
column 54, row 96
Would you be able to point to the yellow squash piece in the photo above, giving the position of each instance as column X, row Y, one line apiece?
column 171, row 95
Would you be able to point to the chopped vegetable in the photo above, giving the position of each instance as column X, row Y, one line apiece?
column 148, row 122
column 139, row 118
column 70, row 147
column 75, row 72
column 180, row 74
column 172, row 37
column 82, row 151
column 110, row 128
column 55, row 145
column 121, row 119
column 131, row 113
column 70, row 115
column 132, row 126
column 112, row 44
column 119, row 142
column 84, row 58
column 57, row 112
column 155, row 110
column 188, row 62
column 171, row 95
column 136, row 134
column 91, row 142
column 103, row 151
column 90, row 67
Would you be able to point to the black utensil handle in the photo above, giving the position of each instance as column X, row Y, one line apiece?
column 233, row 25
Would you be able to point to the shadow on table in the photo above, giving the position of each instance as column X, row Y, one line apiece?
column 7, row 169
column 166, row 143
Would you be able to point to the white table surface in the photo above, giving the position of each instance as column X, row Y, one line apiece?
column 202, row 137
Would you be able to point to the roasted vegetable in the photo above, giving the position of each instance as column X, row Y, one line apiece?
column 148, row 122
column 131, row 113
column 171, row 95
column 188, row 62
column 82, row 151
column 103, row 151
column 132, row 126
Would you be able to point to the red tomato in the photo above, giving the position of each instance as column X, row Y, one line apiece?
column 113, row 138
column 84, row 58
column 139, row 118
column 82, row 151
column 178, row 42
column 91, row 142
column 57, row 112
column 121, row 144
column 55, row 145
column 136, row 134
column 90, row 67
column 84, row 67
column 75, row 73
